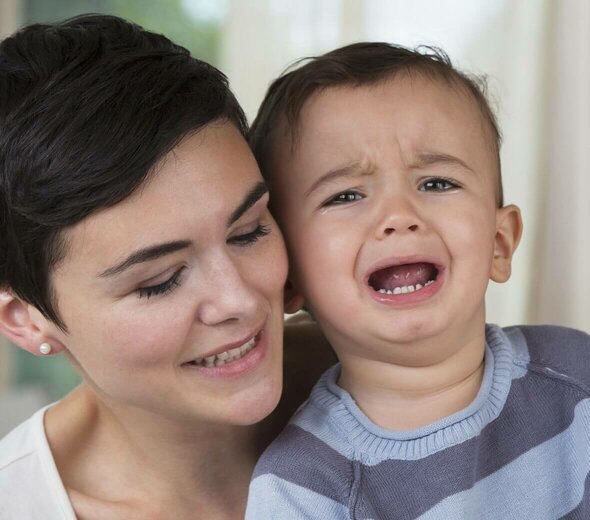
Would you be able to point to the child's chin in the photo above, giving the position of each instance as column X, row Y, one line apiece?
column 411, row 331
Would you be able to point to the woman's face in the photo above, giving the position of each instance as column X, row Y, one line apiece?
column 173, row 297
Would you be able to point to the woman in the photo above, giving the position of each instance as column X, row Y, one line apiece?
column 136, row 241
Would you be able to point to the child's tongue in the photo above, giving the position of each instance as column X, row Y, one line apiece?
column 402, row 275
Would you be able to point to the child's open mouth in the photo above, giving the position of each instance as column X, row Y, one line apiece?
column 404, row 278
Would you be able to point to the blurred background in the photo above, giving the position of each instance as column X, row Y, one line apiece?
column 535, row 53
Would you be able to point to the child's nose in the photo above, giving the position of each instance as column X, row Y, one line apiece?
column 390, row 230
column 399, row 216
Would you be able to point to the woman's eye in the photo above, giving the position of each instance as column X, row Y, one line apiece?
column 161, row 288
column 343, row 198
column 438, row 184
column 247, row 239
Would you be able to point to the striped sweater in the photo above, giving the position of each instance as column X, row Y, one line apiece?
column 520, row 450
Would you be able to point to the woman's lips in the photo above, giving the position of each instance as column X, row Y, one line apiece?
column 233, row 361
column 228, row 355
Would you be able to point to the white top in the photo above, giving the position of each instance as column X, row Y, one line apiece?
column 30, row 485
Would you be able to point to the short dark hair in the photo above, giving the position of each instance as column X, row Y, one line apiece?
column 88, row 107
column 356, row 65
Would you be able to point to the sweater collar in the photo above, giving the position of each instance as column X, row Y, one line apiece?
column 374, row 441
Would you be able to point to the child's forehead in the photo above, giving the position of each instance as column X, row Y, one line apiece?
column 421, row 106
column 415, row 113
column 405, row 90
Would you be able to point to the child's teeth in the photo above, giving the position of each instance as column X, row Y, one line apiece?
column 406, row 288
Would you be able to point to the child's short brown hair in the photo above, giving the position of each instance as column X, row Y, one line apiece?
column 356, row 65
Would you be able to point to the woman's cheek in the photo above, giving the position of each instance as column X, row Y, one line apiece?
column 147, row 336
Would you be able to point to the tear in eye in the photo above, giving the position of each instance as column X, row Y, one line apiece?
column 438, row 184
column 343, row 198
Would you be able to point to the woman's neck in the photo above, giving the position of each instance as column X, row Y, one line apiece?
column 110, row 456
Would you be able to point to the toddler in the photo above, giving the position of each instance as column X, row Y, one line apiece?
column 384, row 171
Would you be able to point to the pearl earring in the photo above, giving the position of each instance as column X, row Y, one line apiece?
column 45, row 348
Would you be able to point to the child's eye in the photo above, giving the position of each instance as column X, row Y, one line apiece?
column 438, row 184
column 161, row 288
column 343, row 198
column 247, row 239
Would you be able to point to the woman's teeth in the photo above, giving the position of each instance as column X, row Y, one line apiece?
column 225, row 357
column 406, row 288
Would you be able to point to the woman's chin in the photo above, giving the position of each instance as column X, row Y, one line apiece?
column 255, row 406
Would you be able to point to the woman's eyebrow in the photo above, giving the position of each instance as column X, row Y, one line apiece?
column 156, row 251
column 144, row 255
column 253, row 196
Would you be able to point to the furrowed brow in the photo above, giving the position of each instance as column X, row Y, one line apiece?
column 145, row 255
column 253, row 196
column 424, row 160
column 348, row 170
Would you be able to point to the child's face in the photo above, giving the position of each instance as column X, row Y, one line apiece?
column 388, row 205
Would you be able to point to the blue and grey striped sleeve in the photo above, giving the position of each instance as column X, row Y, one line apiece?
column 300, row 477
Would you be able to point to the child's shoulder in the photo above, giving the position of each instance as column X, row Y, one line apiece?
column 303, row 463
column 559, row 351
column 313, row 451
column 311, row 437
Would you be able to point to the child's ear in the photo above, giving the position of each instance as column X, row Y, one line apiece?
column 508, row 233
column 25, row 326
column 294, row 300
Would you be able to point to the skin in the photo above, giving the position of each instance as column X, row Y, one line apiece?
column 388, row 173
column 146, row 435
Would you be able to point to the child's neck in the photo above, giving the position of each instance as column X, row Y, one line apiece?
column 403, row 398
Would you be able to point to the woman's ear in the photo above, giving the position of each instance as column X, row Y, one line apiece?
column 294, row 300
column 508, row 233
column 25, row 326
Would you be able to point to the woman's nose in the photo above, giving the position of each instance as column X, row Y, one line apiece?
column 227, row 296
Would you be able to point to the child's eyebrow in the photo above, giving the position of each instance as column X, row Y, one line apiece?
column 426, row 159
column 347, row 170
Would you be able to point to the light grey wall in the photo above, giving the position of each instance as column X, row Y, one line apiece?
column 9, row 16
